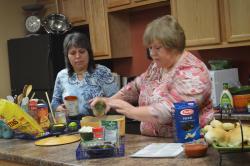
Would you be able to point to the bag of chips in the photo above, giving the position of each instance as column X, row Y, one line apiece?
column 18, row 120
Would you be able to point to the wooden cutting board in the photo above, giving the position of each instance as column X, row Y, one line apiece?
column 58, row 140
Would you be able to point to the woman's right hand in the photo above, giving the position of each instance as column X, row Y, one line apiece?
column 62, row 108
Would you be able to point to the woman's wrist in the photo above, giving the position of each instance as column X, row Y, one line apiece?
column 131, row 112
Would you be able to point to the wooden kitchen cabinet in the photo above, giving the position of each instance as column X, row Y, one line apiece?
column 237, row 20
column 74, row 10
column 199, row 19
column 213, row 23
column 98, row 28
column 116, row 5
column 121, row 24
column 109, row 35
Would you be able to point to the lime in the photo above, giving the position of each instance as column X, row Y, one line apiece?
column 73, row 126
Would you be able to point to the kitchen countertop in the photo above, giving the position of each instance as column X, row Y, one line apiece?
column 237, row 116
column 26, row 152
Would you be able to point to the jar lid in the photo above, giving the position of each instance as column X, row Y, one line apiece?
column 97, row 129
column 42, row 105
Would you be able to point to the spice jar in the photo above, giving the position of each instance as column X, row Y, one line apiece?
column 98, row 133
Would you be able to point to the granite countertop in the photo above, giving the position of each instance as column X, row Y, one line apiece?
column 26, row 152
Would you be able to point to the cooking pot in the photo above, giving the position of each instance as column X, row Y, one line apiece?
column 56, row 23
column 241, row 97
column 240, row 102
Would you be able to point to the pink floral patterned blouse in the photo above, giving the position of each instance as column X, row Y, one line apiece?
column 157, row 88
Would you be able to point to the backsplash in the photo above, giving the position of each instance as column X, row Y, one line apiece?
column 238, row 56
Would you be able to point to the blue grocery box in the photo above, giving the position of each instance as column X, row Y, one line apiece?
column 186, row 121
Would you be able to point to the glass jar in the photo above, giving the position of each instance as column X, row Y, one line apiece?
column 60, row 117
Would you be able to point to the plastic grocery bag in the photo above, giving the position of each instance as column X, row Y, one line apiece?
column 19, row 120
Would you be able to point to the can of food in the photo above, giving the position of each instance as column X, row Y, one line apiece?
column 43, row 115
column 33, row 109
column 71, row 104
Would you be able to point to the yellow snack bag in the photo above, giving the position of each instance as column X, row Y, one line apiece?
column 19, row 120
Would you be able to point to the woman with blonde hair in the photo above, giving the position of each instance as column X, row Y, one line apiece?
column 174, row 75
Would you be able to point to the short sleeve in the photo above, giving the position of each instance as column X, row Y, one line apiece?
column 106, row 80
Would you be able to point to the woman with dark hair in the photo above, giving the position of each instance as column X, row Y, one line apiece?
column 82, row 77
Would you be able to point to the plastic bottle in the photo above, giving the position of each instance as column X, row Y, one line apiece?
column 226, row 99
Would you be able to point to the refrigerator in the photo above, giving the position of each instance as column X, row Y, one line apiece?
column 35, row 60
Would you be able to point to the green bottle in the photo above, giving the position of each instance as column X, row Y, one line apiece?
column 226, row 99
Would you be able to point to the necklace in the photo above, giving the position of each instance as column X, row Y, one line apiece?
column 80, row 76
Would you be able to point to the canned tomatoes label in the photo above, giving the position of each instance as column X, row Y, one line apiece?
column 71, row 103
column 186, row 121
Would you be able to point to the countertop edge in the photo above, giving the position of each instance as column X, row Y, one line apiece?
column 28, row 160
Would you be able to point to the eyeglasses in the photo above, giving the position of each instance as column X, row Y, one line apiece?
column 155, row 49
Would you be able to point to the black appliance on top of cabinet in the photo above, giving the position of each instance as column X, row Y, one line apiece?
column 35, row 60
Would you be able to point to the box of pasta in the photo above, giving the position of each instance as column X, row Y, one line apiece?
column 186, row 121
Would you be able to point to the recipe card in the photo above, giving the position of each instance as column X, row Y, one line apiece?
column 160, row 150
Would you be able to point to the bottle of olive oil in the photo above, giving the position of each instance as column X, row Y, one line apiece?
column 226, row 99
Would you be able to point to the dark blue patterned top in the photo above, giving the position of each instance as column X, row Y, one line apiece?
column 99, row 83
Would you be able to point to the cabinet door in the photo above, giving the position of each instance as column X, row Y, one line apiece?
column 237, row 20
column 199, row 19
column 115, row 3
column 74, row 10
column 98, row 28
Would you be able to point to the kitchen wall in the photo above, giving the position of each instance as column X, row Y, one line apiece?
column 12, row 26
column 238, row 56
